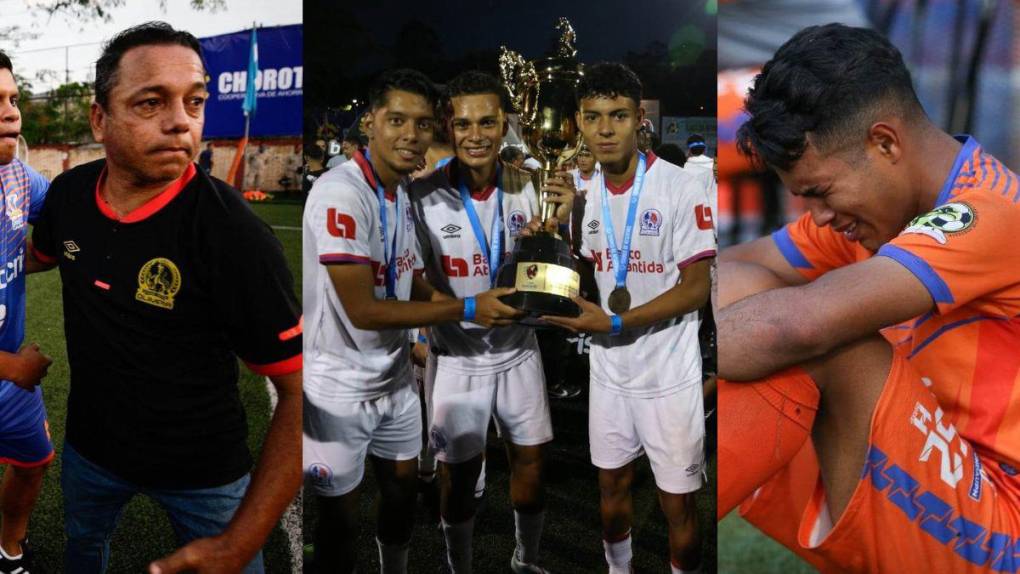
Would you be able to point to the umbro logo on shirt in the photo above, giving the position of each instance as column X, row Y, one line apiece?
column 450, row 230
column 70, row 248
column 593, row 227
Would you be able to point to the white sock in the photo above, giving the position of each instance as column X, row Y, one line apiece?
column 480, row 484
column 458, row 545
column 8, row 556
column 674, row 569
column 528, row 530
column 619, row 555
column 392, row 557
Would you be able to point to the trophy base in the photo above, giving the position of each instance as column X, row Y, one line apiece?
column 545, row 275
column 537, row 304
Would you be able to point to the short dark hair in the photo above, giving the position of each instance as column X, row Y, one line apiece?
column 355, row 137
column 830, row 82
column 147, row 34
column 405, row 80
column 474, row 82
column 5, row 62
column 672, row 153
column 609, row 80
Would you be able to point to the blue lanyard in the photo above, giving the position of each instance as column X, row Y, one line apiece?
column 494, row 252
column 620, row 264
column 389, row 251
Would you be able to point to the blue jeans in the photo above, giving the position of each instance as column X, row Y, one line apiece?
column 94, row 499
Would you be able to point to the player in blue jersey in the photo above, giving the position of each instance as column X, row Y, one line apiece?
column 25, row 445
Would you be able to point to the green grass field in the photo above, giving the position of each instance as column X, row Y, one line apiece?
column 744, row 549
column 144, row 532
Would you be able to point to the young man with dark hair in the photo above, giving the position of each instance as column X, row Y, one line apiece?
column 360, row 252
column 645, row 359
column 468, row 215
column 25, row 445
column 151, row 252
column 907, row 231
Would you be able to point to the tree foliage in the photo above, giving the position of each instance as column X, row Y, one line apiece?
column 61, row 116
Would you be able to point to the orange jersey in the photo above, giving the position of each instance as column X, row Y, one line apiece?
column 967, row 348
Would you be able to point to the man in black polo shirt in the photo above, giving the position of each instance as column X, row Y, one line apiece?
column 168, row 277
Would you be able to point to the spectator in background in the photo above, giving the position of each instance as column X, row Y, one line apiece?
column 353, row 141
column 205, row 158
column 257, row 161
column 292, row 170
column 697, row 160
column 646, row 138
column 511, row 155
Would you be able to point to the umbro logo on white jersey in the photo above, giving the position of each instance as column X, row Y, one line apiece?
column 450, row 230
column 593, row 227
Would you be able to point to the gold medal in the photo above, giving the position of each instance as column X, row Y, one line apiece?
column 619, row 300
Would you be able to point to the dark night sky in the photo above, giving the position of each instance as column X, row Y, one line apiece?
column 671, row 44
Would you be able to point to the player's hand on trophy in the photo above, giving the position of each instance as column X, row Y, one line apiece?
column 419, row 353
column 29, row 366
column 552, row 225
column 491, row 312
column 559, row 189
column 593, row 319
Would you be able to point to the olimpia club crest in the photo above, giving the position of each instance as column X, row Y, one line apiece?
column 948, row 218
column 158, row 282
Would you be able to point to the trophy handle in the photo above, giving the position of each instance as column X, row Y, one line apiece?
column 521, row 82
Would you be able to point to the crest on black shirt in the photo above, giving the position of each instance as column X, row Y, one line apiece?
column 158, row 282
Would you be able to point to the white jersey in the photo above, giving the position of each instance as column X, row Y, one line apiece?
column 456, row 266
column 699, row 164
column 342, row 225
column 672, row 229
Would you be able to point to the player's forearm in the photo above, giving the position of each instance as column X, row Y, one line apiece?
column 277, row 475
column 677, row 301
column 378, row 315
column 764, row 333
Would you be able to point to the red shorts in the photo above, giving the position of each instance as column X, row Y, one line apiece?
column 926, row 501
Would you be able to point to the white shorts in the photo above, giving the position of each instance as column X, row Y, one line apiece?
column 462, row 405
column 336, row 441
column 670, row 429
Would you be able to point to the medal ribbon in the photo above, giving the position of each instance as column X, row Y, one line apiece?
column 389, row 251
column 493, row 253
column 620, row 264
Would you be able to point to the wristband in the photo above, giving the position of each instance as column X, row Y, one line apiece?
column 422, row 339
column 616, row 325
column 469, row 308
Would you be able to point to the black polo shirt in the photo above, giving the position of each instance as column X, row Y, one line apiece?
column 158, row 305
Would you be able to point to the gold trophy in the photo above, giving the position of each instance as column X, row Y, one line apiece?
column 543, row 94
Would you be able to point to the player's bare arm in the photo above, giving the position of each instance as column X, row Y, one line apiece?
column 26, row 368
column 762, row 252
column 690, row 294
column 764, row 333
column 354, row 286
column 275, row 482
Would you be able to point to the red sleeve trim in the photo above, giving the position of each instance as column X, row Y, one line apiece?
column 344, row 258
column 42, row 256
column 284, row 367
column 293, row 331
column 697, row 257
column 22, row 464
column 419, row 272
